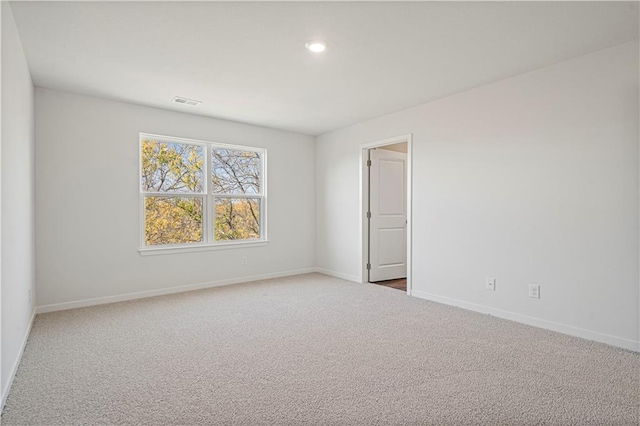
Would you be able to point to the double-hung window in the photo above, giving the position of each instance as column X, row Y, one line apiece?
column 200, row 194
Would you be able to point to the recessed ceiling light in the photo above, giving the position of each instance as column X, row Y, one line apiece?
column 316, row 46
column 185, row 101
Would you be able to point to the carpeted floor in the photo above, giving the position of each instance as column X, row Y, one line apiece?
column 312, row 350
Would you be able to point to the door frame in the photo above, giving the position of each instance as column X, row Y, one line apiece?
column 364, row 200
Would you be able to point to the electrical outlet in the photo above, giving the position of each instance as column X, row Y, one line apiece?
column 534, row 291
column 244, row 260
column 490, row 284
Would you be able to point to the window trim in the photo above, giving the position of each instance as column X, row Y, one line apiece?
column 209, row 199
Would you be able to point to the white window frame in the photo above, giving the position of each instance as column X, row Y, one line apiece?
column 209, row 199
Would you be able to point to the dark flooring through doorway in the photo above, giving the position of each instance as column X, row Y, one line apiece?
column 399, row 284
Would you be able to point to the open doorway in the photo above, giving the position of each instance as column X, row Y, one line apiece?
column 386, row 219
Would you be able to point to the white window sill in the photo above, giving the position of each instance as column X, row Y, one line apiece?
column 153, row 251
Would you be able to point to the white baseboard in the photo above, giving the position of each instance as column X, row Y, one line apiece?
column 163, row 291
column 536, row 322
column 16, row 363
column 338, row 275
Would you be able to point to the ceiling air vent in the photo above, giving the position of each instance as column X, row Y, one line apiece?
column 185, row 101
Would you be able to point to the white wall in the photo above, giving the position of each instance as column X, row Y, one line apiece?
column 17, row 199
column 87, row 183
column 532, row 180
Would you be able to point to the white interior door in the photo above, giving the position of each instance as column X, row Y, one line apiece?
column 388, row 211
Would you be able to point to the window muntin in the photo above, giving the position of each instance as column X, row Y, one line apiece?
column 184, row 205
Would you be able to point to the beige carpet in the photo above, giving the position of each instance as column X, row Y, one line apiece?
column 312, row 350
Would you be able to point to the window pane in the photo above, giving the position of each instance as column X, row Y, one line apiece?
column 171, row 166
column 173, row 220
column 235, row 172
column 237, row 218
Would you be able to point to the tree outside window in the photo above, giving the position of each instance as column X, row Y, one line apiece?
column 182, row 207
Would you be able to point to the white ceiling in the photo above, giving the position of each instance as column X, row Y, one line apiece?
column 247, row 61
